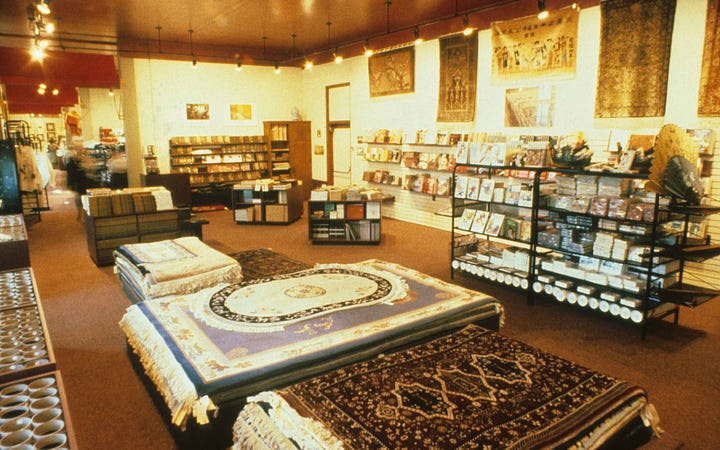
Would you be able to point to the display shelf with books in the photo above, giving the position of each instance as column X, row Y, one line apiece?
column 599, row 241
column 492, row 236
column 266, row 201
column 344, row 221
column 215, row 163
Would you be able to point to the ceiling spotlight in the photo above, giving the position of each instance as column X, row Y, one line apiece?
column 277, row 69
column 42, row 86
column 467, row 29
column 50, row 27
column 194, row 61
column 238, row 67
column 338, row 58
column 55, row 91
column 41, row 91
column 37, row 53
column 542, row 12
column 308, row 65
column 42, row 7
column 418, row 39
column 368, row 50
column 111, row 93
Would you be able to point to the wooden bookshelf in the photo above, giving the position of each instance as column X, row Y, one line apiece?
column 345, row 222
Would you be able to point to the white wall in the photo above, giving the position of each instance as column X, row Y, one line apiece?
column 97, row 110
column 574, row 107
column 155, row 93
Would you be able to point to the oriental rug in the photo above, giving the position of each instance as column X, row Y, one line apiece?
column 709, row 98
column 472, row 388
column 458, row 78
column 263, row 262
column 392, row 72
column 525, row 49
column 232, row 340
column 635, row 41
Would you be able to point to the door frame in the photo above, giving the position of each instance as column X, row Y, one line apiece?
column 330, row 126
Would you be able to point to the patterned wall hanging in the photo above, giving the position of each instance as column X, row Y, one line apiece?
column 528, row 48
column 634, row 56
column 709, row 98
column 392, row 72
column 458, row 78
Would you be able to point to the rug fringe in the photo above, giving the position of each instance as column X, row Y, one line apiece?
column 307, row 433
column 176, row 389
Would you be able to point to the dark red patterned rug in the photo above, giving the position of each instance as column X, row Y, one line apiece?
column 263, row 262
column 471, row 389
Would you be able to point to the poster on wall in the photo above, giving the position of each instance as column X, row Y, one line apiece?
column 197, row 111
column 528, row 48
column 709, row 98
column 392, row 72
column 530, row 107
column 458, row 78
column 633, row 68
column 241, row 113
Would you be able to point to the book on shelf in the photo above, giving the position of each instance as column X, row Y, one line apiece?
column 487, row 186
column 372, row 210
column 479, row 221
column 473, row 188
column 494, row 224
column 443, row 186
column 461, row 153
column 431, row 186
column 466, row 219
column 460, row 186
column 511, row 228
column 525, row 231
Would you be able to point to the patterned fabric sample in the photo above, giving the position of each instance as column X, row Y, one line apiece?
column 634, row 57
column 458, row 78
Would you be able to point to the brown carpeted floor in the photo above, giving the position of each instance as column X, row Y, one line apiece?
column 110, row 409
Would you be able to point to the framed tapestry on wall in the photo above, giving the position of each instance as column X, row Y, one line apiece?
column 709, row 98
column 392, row 72
column 633, row 69
column 458, row 78
column 522, row 49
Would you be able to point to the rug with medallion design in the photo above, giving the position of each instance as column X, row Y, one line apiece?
column 473, row 388
column 232, row 340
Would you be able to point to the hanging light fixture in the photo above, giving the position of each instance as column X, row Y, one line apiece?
column 337, row 57
column 368, row 50
column 192, row 50
column 418, row 39
column 43, row 7
column 55, row 91
column 238, row 67
column 467, row 29
column 542, row 11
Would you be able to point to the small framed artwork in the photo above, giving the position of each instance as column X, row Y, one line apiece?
column 51, row 135
column 49, row 126
column 197, row 112
column 241, row 113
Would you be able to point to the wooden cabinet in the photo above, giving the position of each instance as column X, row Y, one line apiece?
column 289, row 144
column 105, row 234
column 344, row 222
column 274, row 205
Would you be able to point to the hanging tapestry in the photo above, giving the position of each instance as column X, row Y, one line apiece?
column 635, row 39
column 528, row 48
column 458, row 78
column 709, row 98
column 392, row 72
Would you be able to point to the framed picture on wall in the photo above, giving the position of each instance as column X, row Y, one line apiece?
column 51, row 135
column 49, row 126
column 241, row 113
column 196, row 112
column 392, row 72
